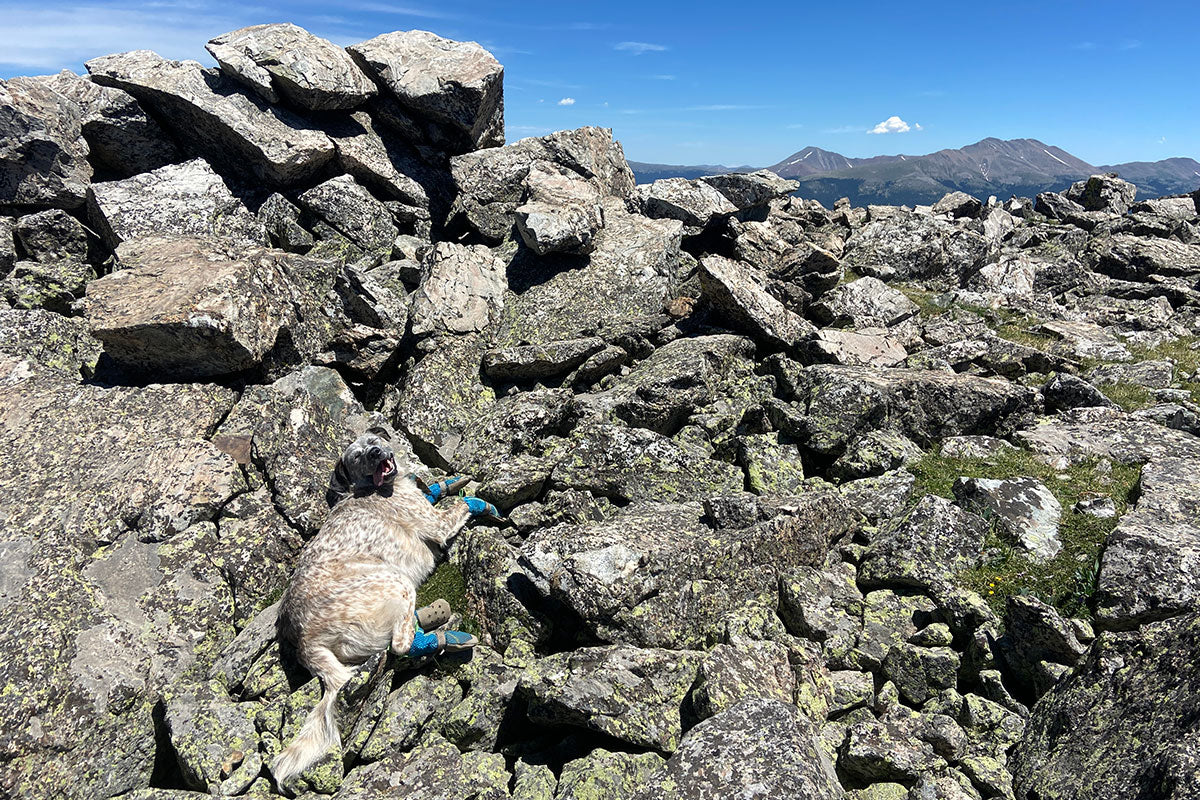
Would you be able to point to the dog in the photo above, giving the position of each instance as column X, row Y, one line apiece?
column 353, row 593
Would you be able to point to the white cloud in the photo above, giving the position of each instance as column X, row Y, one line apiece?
column 567, row 101
column 663, row 77
column 639, row 48
column 892, row 124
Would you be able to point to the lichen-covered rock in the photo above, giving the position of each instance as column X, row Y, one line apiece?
column 864, row 303
column 880, row 497
column 214, row 740
column 352, row 211
column 48, row 341
column 731, row 673
column 43, row 155
column 384, row 163
column 461, row 290
column 281, row 220
column 765, row 746
column 1150, row 568
column 283, row 61
column 732, row 290
column 772, row 467
column 1103, row 193
column 187, row 199
column 1037, row 639
column 562, row 212
column 934, row 541
column 899, row 746
column 491, row 183
column 958, row 204
column 1065, row 391
column 824, row 606
column 631, row 694
column 52, row 235
column 210, row 111
column 601, row 774
column 1086, row 434
column 694, row 203
column 908, row 246
column 196, row 307
column 1022, row 507
column 831, row 346
column 434, row 770
column 532, row 362
column 53, row 285
column 1083, row 340
column 122, row 138
column 1108, row 730
column 748, row 190
column 920, row 672
column 874, row 454
column 457, row 84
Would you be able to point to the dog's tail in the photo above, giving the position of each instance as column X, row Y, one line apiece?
column 319, row 732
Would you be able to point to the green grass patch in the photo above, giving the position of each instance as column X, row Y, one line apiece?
column 1129, row 396
column 1069, row 579
column 447, row 582
column 926, row 300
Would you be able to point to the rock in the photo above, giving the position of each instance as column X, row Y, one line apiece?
column 1013, row 276
column 1084, row 340
column 477, row 723
column 875, row 453
column 729, row 287
column 409, row 710
column 187, row 199
column 731, row 674
column 630, row 694
column 1023, row 508
column 1115, row 436
column 226, row 126
column 830, row 346
column 1065, row 391
column 694, row 203
column 864, row 303
column 1123, row 740
column 8, row 246
column 53, row 286
column 434, row 770
column 491, row 183
column 892, row 748
column 381, row 161
column 764, row 744
column 603, row 774
column 1137, row 258
column 958, row 204
column 281, row 61
column 1103, row 193
column 748, row 190
column 624, row 281
column 975, row 447
column 48, row 341
column 213, row 739
column 913, row 246
column 824, row 606
column 534, row 362
column 1151, row 374
column 281, row 220
column 920, row 672
column 461, row 290
column 122, row 138
column 457, row 84
column 353, row 212
column 1035, row 636
column 851, row 690
column 1056, row 206
column 43, row 155
column 602, row 571
column 880, row 497
column 52, row 235
column 888, row 619
column 933, row 542
column 772, row 467
column 1182, row 207
column 194, row 307
column 1148, row 569
column 1100, row 507
column 562, row 213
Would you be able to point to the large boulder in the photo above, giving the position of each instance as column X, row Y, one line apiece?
column 196, row 307
column 48, row 341
column 461, row 290
column 732, row 290
column 930, row 544
column 281, row 61
column 1120, row 725
column 386, row 164
column 915, row 246
column 52, row 235
column 1085, row 434
column 562, row 213
column 122, row 138
column 1023, row 508
column 456, row 84
column 693, row 203
column 353, row 212
column 187, row 199
column 208, row 109
column 491, row 183
column 864, row 303
column 43, row 155
column 766, row 749
column 748, row 190
column 1103, row 193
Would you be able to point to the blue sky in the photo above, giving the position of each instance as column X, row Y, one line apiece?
column 743, row 83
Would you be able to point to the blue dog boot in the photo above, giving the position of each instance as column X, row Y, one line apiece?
column 432, row 644
column 479, row 507
column 444, row 487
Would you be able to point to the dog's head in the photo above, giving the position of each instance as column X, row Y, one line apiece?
column 367, row 465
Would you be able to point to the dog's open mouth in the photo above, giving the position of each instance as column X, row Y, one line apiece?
column 385, row 470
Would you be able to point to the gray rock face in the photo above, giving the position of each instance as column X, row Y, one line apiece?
column 200, row 307
column 604, row 774
column 378, row 159
column 934, row 541
column 532, row 362
column 732, row 290
column 209, row 111
column 8, row 247
column 765, row 744
column 1103, row 193
column 1056, row 206
column 54, row 285
column 731, row 674
column 458, row 84
column 1149, row 567
column 1036, row 641
column 491, row 183
column 281, row 220
column 281, row 61
column 48, row 341
column 186, row 199
column 1105, row 730
column 461, row 290
column 1065, row 391
column 958, row 204
column 353, row 212
column 864, row 303
column 123, row 140
column 1023, row 507
column 43, row 155
column 630, row 694
column 215, row 740
column 1074, row 438
column 52, row 235
column 693, row 203
column 751, row 189
column 434, row 770
column 915, row 246
column 562, row 214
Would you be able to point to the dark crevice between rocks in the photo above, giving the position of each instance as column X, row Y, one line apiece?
column 554, row 745
column 166, row 773
column 260, row 464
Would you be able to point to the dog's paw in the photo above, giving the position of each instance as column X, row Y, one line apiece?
column 444, row 487
column 481, row 507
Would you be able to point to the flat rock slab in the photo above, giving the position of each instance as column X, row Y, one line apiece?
column 1151, row 563
column 1086, row 434
column 461, row 290
column 632, row 694
column 833, row 346
column 751, row 189
column 43, row 155
column 187, row 199
column 48, row 341
column 532, row 362
column 192, row 307
column 281, row 61
column 211, row 111
column 1024, row 508
column 353, row 211
column 693, row 203
column 730, row 287
column 933, row 542
column 457, row 84
column 766, row 749
column 864, row 303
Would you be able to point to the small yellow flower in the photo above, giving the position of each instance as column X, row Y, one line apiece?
column 990, row 591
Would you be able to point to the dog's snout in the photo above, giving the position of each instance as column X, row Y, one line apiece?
column 375, row 453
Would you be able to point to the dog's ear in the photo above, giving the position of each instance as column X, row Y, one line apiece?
column 340, row 485
column 382, row 433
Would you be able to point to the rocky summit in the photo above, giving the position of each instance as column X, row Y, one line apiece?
column 805, row 502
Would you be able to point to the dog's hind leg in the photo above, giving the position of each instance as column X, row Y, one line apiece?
column 319, row 732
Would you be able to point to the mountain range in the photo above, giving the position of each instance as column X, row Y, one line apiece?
column 1000, row 167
